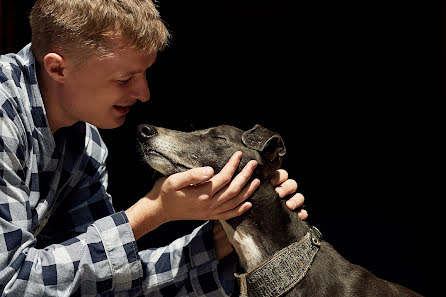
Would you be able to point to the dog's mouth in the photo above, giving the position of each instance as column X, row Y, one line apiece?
column 157, row 160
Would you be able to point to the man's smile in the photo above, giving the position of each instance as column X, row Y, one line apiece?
column 122, row 109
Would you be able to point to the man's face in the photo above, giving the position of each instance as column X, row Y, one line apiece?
column 102, row 91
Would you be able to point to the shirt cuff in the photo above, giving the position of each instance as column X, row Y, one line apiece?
column 121, row 249
column 209, row 276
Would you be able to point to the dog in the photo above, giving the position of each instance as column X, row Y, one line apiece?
column 280, row 255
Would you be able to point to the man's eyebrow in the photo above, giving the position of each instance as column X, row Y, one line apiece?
column 129, row 73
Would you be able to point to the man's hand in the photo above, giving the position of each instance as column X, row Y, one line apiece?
column 195, row 195
column 287, row 187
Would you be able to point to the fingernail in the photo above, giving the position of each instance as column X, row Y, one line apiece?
column 207, row 171
column 291, row 204
column 280, row 192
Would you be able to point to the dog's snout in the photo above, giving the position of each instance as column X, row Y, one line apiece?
column 146, row 132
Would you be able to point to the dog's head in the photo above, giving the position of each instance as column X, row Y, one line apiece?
column 170, row 151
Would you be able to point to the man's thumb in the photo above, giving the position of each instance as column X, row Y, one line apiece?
column 191, row 177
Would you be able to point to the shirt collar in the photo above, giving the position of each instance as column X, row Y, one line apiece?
column 43, row 133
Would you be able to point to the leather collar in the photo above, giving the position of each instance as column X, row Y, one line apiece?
column 284, row 270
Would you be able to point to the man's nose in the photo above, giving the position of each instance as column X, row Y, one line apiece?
column 141, row 90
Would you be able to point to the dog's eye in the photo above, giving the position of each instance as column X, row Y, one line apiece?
column 219, row 138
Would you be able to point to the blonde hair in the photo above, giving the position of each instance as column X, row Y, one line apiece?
column 81, row 28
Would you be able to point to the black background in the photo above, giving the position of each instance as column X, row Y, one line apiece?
column 355, row 88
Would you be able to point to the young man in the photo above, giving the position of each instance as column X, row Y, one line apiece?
column 59, row 233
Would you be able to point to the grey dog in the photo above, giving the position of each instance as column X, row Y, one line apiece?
column 280, row 255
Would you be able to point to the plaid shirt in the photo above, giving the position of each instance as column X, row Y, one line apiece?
column 59, row 234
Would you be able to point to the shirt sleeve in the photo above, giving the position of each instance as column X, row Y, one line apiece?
column 187, row 267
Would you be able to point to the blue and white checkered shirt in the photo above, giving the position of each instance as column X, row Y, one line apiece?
column 59, row 234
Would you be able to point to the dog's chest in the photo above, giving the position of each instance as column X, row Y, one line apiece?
column 246, row 245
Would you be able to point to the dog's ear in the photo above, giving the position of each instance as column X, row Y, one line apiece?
column 262, row 139
column 269, row 144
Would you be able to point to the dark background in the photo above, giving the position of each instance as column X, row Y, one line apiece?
column 354, row 87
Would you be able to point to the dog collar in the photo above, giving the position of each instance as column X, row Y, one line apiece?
column 283, row 271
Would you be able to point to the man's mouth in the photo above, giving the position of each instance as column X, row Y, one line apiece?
column 122, row 109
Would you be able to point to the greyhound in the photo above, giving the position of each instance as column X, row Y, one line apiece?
column 279, row 254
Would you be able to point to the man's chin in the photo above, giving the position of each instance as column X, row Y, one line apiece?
column 115, row 123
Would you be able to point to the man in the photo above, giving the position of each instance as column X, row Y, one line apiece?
column 59, row 234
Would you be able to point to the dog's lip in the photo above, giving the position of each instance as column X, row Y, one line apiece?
column 157, row 153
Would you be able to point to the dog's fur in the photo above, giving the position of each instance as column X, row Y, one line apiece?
column 268, row 226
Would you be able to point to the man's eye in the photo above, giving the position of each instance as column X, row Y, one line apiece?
column 123, row 81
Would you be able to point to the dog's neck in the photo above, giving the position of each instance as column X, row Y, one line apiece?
column 265, row 229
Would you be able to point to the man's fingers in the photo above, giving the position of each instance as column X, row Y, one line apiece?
column 295, row 202
column 279, row 177
column 191, row 177
column 236, row 185
column 224, row 176
column 244, row 194
column 303, row 214
column 288, row 187
column 235, row 212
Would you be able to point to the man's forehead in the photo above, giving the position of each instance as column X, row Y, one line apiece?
column 128, row 61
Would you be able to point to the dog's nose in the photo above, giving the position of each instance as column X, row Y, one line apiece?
column 145, row 132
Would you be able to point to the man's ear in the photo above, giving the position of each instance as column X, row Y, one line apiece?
column 270, row 146
column 55, row 65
